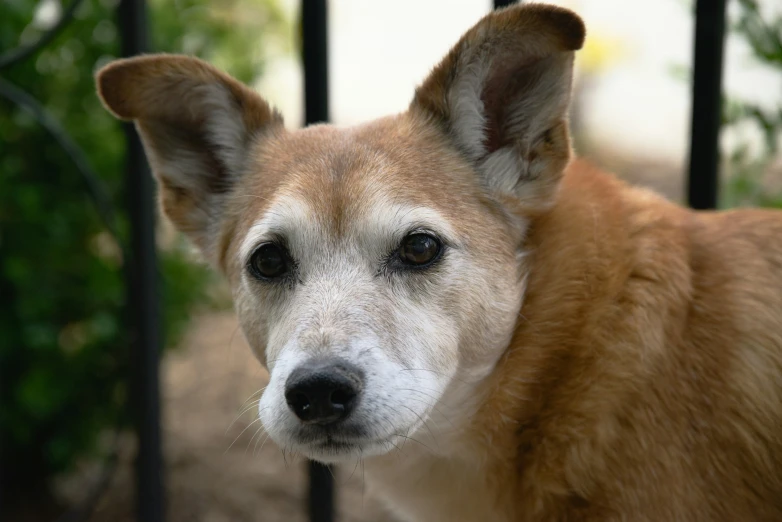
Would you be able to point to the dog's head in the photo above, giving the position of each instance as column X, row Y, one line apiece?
column 378, row 271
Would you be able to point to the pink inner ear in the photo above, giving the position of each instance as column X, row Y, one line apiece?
column 509, row 82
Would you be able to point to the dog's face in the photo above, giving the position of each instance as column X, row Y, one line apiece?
column 375, row 275
column 377, row 271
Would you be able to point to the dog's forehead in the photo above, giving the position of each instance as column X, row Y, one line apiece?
column 335, row 169
column 340, row 178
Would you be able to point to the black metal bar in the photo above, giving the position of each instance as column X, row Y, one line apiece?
column 321, row 494
column 314, row 28
column 143, row 297
column 703, row 178
column 314, row 37
column 503, row 3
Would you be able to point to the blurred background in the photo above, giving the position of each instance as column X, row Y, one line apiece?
column 64, row 354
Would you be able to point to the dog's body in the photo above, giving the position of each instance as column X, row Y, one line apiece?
column 643, row 382
column 499, row 336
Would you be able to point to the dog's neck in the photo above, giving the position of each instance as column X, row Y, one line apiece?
column 583, row 256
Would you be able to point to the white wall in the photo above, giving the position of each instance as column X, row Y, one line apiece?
column 381, row 49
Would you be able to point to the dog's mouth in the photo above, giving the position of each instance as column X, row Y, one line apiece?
column 334, row 443
column 331, row 448
column 348, row 440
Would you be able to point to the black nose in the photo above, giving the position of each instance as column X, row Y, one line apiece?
column 323, row 392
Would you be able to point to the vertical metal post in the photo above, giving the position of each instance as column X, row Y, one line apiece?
column 703, row 178
column 142, row 288
column 314, row 28
column 321, row 494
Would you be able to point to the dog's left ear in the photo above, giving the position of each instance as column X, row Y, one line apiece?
column 502, row 95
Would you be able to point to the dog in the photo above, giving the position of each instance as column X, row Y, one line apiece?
column 499, row 332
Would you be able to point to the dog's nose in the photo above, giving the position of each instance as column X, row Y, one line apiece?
column 323, row 392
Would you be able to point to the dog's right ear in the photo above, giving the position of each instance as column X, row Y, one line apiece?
column 502, row 95
column 197, row 125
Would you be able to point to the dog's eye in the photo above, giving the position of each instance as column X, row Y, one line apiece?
column 419, row 249
column 269, row 261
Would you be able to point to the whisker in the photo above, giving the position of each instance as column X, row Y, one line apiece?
column 435, row 408
column 424, row 389
column 255, row 448
column 423, row 422
column 231, row 340
column 434, row 399
column 239, row 416
column 268, row 437
column 436, row 373
column 358, row 458
column 252, row 438
column 363, row 484
column 260, row 390
column 237, row 437
column 417, row 441
column 399, row 451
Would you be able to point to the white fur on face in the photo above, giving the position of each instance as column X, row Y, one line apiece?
column 404, row 331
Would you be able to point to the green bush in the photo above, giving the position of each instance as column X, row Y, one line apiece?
column 63, row 349
column 748, row 167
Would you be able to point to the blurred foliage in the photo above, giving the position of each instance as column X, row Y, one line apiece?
column 63, row 347
column 601, row 51
column 749, row 166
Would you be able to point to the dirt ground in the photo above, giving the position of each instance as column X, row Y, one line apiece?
column 217, row 473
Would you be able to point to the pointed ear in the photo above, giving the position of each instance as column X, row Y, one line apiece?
column 197, row 125
column 502, row 95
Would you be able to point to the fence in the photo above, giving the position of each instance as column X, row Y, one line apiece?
column 141, row 274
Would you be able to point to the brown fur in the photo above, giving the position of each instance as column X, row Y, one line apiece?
column 643, row 381
column 650, row 347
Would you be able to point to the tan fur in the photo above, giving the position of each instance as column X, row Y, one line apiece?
column 651, row 350
column 643, row 378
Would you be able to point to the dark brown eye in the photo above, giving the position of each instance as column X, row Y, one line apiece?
column 269, row 261
column 419, row 249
